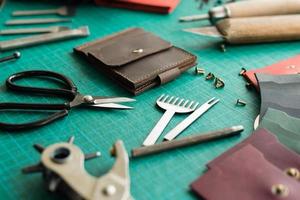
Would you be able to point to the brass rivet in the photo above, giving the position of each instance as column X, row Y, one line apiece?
column 199, row 71
column 293, row 172
column 280, row 190
column 249, row 86
column 223, row 47
column 242, row 72
column 138, row 51
column 240, row 102
column 210, row 76
column 219, row 83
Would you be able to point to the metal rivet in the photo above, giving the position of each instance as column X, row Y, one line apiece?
column 240, row 102
column 223, row 47
column 210, row 76
column 199, row 71
column 88, row 98
column 242, row 72
column 110, row 190
column 293, row 172
column 249, row 86
column 219, row 83
column 280, row 190
column 138, row 51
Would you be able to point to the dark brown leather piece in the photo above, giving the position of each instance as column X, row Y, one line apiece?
column 136, row 59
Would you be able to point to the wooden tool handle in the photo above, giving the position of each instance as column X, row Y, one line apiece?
column 260, row 29
column 251, row 8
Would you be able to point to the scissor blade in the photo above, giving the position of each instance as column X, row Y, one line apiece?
column 112, row 105
column 101, row 100
column 190, row 119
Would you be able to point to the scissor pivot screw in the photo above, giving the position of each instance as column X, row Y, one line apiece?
column 88, row 98
column 210, row 76
column 199, row 71
column 240, row 102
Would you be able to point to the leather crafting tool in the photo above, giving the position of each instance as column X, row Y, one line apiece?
column 62, row 11
column 44, row 38
column 268, row 144
column 70, row 92
column 171, row 105
column 247, row 8
column 158, row 6
column 187, row 141
column 285, row 127
column 288, row 66
column 52, row 29
column 13, row 56
column 253, row 29
column 247, row 175
column 280, row 92
column 191, row 118
column 63, row 171
column 36, row 21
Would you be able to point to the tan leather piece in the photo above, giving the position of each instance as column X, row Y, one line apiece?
column 136, row 59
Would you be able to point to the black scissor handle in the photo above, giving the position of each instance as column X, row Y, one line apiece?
column 34, row 124
column 70, row 92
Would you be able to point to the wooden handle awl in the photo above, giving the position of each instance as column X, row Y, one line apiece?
column 260, row 29
column 255, row 8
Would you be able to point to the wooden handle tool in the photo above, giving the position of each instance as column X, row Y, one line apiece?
column 248, row 8
column 253, row 8
column 260, row 29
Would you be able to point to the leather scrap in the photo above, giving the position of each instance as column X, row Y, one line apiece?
column 288, row 66
column 285, row 127
column 245, row 175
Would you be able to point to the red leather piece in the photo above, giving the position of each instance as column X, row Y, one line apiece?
column 245, row 175
column 269, row 146
column 158, row 6
column 289, row 66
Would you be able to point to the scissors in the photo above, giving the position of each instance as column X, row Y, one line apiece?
column 70, row 92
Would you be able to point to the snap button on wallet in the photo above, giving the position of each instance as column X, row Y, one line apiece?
column 136, row 59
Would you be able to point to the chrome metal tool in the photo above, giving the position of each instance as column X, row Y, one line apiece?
column 44, row 38
column 36, row 21
column 248, row 8
column 62, row 11
column 172, row 105
column 63, row 171
column 253, row 29
column 190, row 119
column 19, row 31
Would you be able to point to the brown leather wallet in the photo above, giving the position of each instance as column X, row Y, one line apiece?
column 136, row 59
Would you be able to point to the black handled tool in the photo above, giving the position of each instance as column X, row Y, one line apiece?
column 69, row 92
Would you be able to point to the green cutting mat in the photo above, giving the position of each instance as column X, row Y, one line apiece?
column 163, row 176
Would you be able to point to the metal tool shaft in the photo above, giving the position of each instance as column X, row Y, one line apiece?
column 36, row 21
column 187, row 141
column 34, row 12
column 32, row 30
column 39, row 39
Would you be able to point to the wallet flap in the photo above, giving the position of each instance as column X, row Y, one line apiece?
column 124, row 50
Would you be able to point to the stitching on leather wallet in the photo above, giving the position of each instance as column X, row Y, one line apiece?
column 160, row 69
